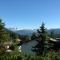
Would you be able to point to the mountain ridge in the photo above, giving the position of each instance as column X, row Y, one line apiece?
column 29, row 31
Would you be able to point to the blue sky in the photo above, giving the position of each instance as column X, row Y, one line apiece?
column 29, row 14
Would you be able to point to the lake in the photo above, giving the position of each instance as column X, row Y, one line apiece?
column 26, row 48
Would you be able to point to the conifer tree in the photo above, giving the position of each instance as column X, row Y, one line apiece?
column 4, row 36
column 33, row 37
column 39, row 48
column 1, row 30
column 52, row 34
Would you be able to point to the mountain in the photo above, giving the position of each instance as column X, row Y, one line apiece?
column 56, row 31
column 29, row 32
column 11, row 33
column 25, row 32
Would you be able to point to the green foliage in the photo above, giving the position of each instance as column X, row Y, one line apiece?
column 52, row 34
column 10, row 56
column 2, row 32
column 26, row 38
column 16, row 55
column 51, row 55
column 33, row 37
column 42, row 32
column 13, row 46
column 40, row 47
column 4, row 36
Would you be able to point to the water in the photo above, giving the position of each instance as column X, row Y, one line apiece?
column 27, row 47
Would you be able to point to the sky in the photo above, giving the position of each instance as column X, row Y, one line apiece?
column 29, row 14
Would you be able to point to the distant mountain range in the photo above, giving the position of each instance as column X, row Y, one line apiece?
column 56, row 31
column 25, row 32
column 29, row 32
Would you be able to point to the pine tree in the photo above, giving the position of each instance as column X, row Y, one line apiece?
column 1, row 30
column 4, row 36
column 39, row 48
column 52, row 34
column 33, row 37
